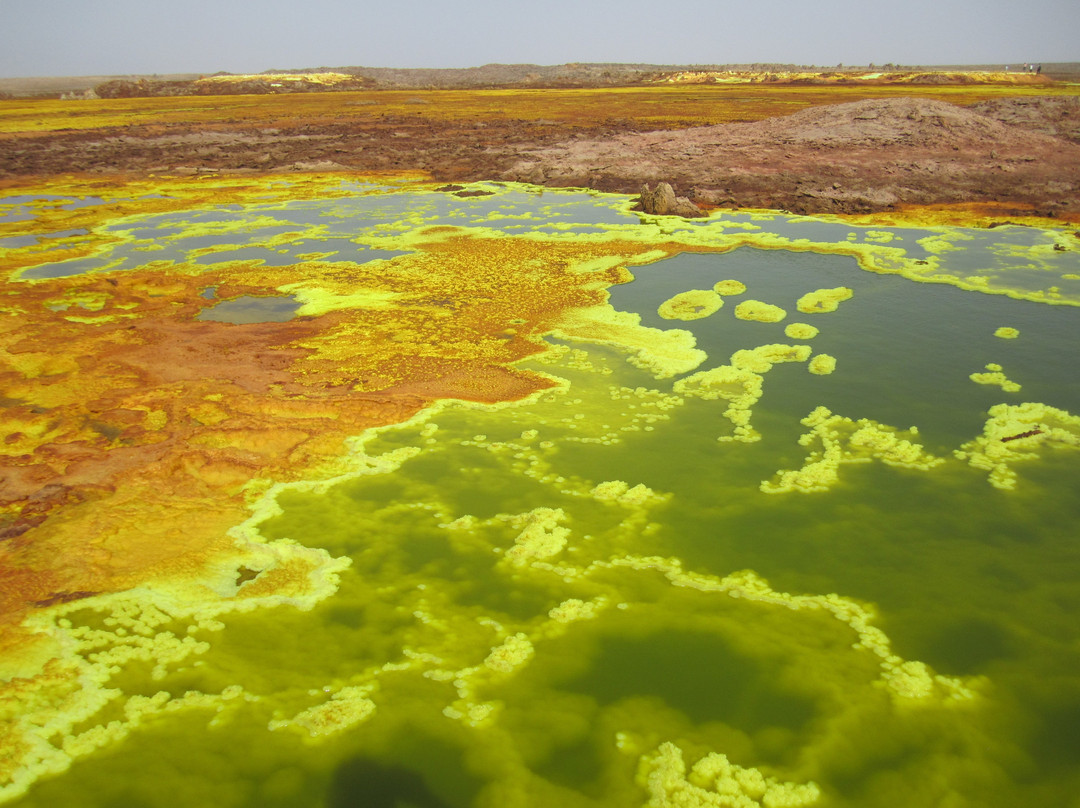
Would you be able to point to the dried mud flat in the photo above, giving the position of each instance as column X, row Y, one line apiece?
column 872, row 155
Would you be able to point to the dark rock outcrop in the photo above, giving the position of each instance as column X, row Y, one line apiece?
column 663, row 202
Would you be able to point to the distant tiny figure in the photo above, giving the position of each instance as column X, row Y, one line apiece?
column 1039, row 70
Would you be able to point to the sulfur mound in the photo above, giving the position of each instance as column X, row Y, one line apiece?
column 729, row 287
column 759, row 312
column 541, row 535
column 823, row 300
column 822, row 365
column 762, row 358
column 716, row 782
column 1015, row 432
column 692, row 305
column 995, row 376
column 800, row 331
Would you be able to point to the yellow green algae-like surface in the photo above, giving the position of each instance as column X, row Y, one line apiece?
column 441, row 508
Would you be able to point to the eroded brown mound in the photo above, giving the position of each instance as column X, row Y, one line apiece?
column 862, row 156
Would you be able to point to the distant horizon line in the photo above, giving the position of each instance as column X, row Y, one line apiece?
column 641, row 65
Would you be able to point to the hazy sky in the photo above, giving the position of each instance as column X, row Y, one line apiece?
column 95, row 37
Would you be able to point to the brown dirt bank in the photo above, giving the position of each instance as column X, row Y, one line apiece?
column 870, row 155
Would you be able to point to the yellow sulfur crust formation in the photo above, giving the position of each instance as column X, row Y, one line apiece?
column 823, row 300
column 541, row 536
column 1017, row 432
column 838, row 440
column 175, row 452
column 822, row 365
column 740, row 383
column 995, row 376
column 800, row 331
column 759, row 312
column 692, row 305
column 716, row 782
column 729, row 287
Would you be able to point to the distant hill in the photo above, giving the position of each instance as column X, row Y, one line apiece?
column 619, row 73
column 55, row 86
column 492, row 75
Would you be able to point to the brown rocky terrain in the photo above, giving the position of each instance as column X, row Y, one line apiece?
column 875, row 154
column 859, row 157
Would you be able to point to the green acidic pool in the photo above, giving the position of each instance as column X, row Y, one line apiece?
column 588, row 597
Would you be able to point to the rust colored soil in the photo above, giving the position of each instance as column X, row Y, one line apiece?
column 134, row 430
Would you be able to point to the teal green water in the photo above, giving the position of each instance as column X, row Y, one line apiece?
column 978, row 583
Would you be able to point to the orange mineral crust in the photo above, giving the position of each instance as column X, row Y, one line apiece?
column 137, row 435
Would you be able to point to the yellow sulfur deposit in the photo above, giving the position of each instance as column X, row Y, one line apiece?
column 1007, row 332
column 740, row 383
column 541, row 535
column 692, row 305
column 346, row 708
column 822, row 364
column 621, row 492
column 515, row 652
column 716, row 782
column 841, row 440
column 762, row 358
column 456, row 487
column 906, row 680
column 574, row 609
column 69, row 708
column 663, row 353
column 759, row 312
column 800, row 331
column 1018, row 432
column 996, row 377
column 740, row 388
column 823, row 300
column 729, row 287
